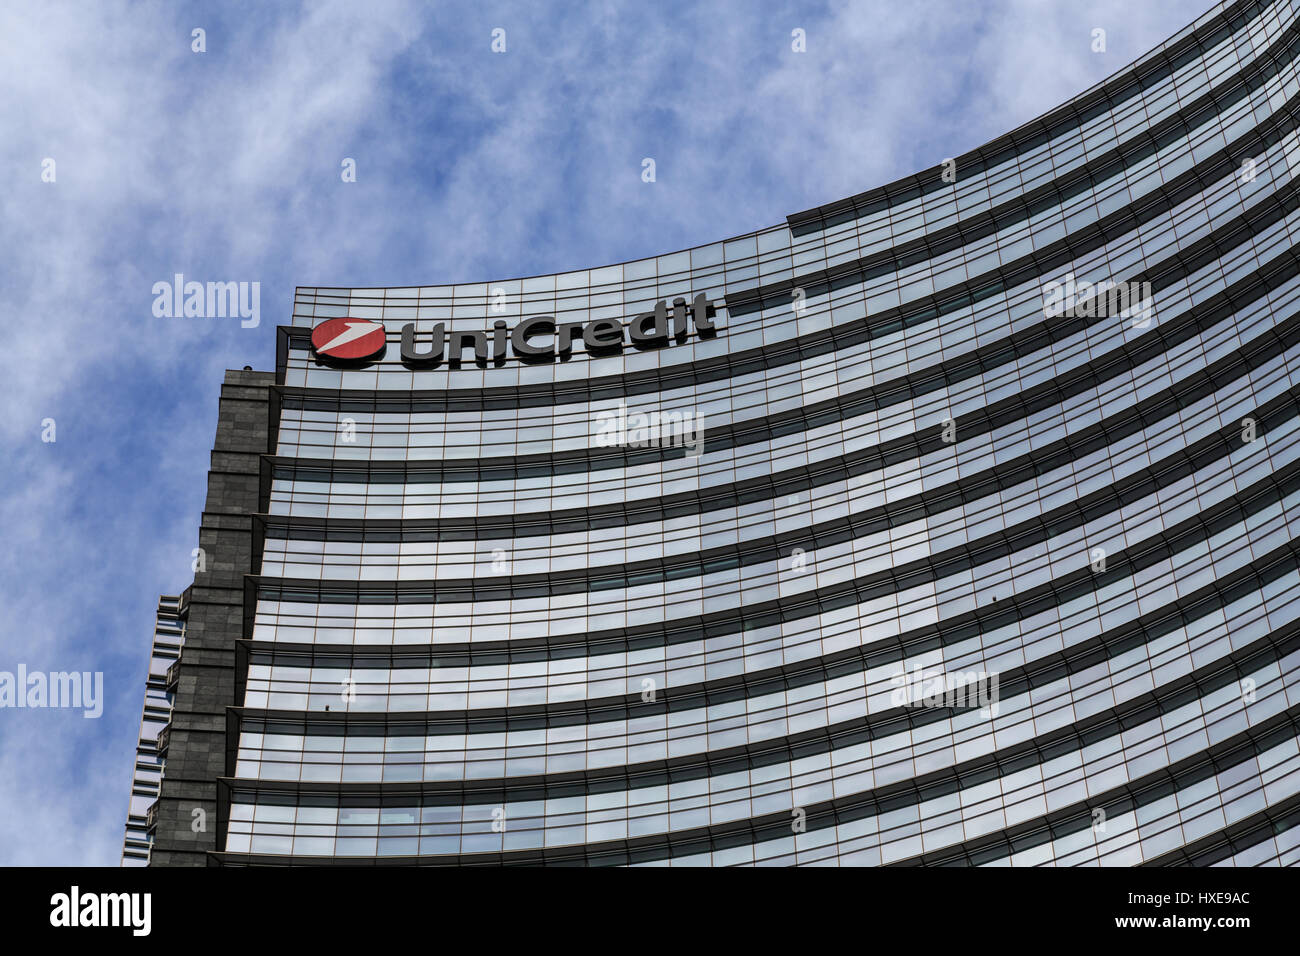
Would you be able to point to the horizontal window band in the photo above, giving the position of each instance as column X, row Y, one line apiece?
column 1236, row 838
column 1183, row 463
column 845, row 662
column 849, row 661
column 1225, row 759
column 1269, row 490
column 1033, row 530
column 1108, row 98
column 1036, row 265
column 678, row 700
column 837, row 811
column 745, row 757
column 1161, row 338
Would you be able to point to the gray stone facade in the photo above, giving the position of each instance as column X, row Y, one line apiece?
column 195, row 756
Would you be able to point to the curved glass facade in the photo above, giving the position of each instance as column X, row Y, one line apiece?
column 949, row 523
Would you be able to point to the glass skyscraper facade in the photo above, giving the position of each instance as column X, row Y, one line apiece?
column 945, row 524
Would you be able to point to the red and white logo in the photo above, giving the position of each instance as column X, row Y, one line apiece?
column 348, row 339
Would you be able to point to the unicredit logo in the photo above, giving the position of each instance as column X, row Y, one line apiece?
column 540, row 338
column 348, row 340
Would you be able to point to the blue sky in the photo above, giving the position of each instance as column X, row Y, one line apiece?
column 471, row 166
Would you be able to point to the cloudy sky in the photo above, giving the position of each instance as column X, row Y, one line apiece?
column 470, row 166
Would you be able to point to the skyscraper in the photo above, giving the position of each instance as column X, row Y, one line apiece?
column 945, row 524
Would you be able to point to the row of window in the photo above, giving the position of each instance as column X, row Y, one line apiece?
column 1017, row 554
column 988, row 723
column 920, row 517
column 1054, row 785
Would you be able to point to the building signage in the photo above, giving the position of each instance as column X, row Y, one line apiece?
column 348, row 340
column 351, row 342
